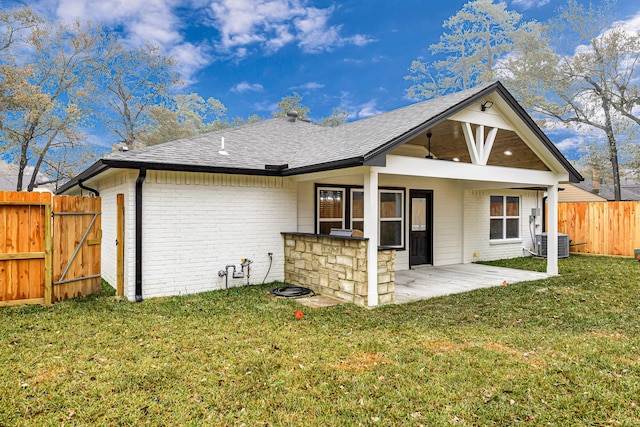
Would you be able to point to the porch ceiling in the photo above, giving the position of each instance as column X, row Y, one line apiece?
column 447, row 142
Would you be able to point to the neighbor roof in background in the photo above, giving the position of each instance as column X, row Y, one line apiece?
column 9, row 177
column 627, row 192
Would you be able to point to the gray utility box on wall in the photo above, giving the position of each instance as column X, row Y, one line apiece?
column 563, row 245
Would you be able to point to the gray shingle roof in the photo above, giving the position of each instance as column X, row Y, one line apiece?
column 298, row 144
column 270, row 142
column 303, row 146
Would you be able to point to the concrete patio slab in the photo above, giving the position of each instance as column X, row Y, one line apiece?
column 429, row 282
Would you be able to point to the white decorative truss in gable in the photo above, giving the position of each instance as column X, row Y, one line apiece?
column 479, row 147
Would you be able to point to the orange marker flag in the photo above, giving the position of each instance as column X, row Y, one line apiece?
column 504, row 283
column 299, row 314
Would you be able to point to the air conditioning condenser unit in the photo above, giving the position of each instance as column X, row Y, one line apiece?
column 563, row 245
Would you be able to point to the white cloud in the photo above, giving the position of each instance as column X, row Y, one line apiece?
column 368, row 109
column 308, row 86
column 570, row 143
column 314, row 34
column 528, row 4
column 354, row 61
column 191, row 58
column 359, row 111
column 243, row 26
column 149, row 21
column 273, row 24
column 632, row 24
column 283, row 37
column 361, row 40
column 247, row 87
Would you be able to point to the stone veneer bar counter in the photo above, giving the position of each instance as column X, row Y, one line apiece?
column 336, row 266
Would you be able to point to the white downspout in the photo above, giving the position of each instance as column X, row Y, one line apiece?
column 552, row 230
column 371, row 232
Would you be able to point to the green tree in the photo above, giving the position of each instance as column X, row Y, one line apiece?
column 338, row 116
column 15, row 25
column 591, row 88
column 50, row 90
column 239, row 121
column 136, row 80
column 292, row 102
column 183, row 116
column 472, row 44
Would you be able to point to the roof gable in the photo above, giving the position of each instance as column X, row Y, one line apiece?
column 515, row 120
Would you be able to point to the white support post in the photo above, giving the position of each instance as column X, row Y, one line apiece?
column 479, row 147
column 471, row 144
column 552, row 229
column 371, row 232
column 488, row 144
column 480, row 143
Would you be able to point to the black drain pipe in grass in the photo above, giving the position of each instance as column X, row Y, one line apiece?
column 139, row 182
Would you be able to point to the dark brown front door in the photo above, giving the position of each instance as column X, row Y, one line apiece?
column 421, row 227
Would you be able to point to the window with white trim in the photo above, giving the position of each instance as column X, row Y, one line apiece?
column 334, row 212
column 331, row 209
column 504, row 217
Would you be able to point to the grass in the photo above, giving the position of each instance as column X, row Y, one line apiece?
column 561, row 351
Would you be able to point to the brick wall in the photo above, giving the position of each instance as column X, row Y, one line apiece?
column 196, row 224
column 337, row 267
column 193, row 225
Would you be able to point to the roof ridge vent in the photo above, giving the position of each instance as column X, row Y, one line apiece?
column 292, row 115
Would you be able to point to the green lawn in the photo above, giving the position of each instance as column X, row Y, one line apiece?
column 562, row 351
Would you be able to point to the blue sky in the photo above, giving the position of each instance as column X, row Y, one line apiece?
column 248, row 54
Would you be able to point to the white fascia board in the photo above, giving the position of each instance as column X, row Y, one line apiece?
column 314, row 176
column 430, row 168
column 530, row 138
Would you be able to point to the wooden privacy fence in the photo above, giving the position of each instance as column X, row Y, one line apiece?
column 49, row 247
column 603, row 228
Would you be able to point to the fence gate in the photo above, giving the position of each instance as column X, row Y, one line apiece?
column 49, row 247
column 77, row 235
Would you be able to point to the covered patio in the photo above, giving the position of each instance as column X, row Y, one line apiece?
column 438, row 186
column 428, row 282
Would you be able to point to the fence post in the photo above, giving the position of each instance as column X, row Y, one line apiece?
column 48, row 255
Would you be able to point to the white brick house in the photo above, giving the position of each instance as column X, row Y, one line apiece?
column 445, row 181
